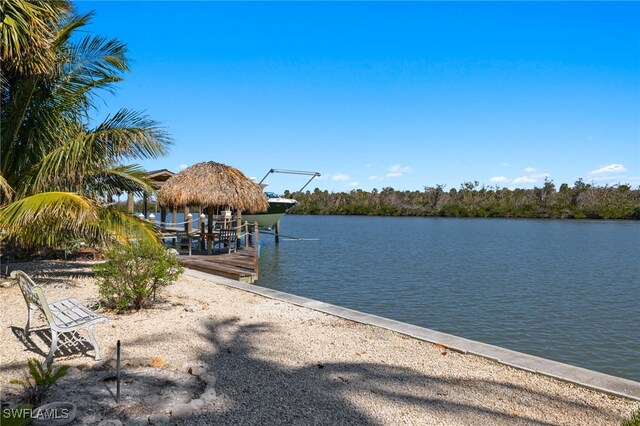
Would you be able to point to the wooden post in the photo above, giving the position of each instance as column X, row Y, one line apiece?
column 163, row 217
column 202, row 235
column 238, row 226
column 201, row 228
column 118, row 371
column 189, row 225
column 255, row 250
column 145, row 200
column 277, row 232
column 130, row 205
column 209, row 229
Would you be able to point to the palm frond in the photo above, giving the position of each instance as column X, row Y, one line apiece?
column 52, row 219
column 92, row 153
column 6, row 192
column 115, row 181
column 124, row 227
column 26, row 34
column 90, row 64
column 63, row 167
column 42, row 218
column 131, row 134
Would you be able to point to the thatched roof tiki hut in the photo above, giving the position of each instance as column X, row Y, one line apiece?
column 215, row 186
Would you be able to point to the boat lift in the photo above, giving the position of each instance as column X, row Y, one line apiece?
column 293, row 172
column 290, row 172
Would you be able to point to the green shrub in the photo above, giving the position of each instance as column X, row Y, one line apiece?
column 38, row 380
column 132, row 275
column 634, row 420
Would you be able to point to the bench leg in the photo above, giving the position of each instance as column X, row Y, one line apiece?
column 29, row 318
column 93, row 341
column 54, row 346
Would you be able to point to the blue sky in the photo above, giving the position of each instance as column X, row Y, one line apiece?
column 383, row 94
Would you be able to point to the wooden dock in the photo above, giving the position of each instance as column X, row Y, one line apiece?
column 241, row 265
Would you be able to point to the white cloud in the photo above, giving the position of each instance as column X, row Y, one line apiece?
column 183, row 166
column 505, row 164
column 611, row 168
column 399, row 169
column 340, row 176
column 525, row 179
column 253, row 178
column 539, row 175
column 374, row 177
column 499, row 179
column 530, row 170
column 353, row 184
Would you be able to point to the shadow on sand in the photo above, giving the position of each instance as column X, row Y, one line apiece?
column 258, row 391
column 255, row 391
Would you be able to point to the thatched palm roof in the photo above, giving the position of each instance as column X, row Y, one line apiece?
column 212, row 184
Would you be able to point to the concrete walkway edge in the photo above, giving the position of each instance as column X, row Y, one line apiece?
column 565, row 372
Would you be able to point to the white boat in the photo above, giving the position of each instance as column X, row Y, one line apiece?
column 278, row 205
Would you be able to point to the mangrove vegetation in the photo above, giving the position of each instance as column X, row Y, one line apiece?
column 580, row 201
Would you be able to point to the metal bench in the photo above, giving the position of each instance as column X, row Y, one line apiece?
column 63, row 316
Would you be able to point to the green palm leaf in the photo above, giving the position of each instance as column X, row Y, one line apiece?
column 6, row 192
column 26, row 34
column 52, row 219
column 92, row 153
column 117, row 180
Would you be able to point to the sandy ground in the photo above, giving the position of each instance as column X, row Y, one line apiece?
column 279, row 363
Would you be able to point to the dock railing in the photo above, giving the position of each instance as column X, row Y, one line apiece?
column 223, row 230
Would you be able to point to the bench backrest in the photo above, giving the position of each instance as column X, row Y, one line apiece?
column 33, row 295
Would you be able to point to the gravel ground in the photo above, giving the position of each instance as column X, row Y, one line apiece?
column 278, row 363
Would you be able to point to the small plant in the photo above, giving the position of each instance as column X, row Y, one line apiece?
column 39, row 380
column 132, row 275
column 634, row 420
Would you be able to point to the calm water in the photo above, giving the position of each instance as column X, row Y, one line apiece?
column 564, row 290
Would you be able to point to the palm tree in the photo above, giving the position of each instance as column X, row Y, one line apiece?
column 56, row 169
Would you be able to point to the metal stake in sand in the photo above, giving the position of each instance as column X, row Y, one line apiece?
column 118, row 372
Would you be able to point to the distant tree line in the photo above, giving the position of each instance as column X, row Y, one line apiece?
column 580, row 201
